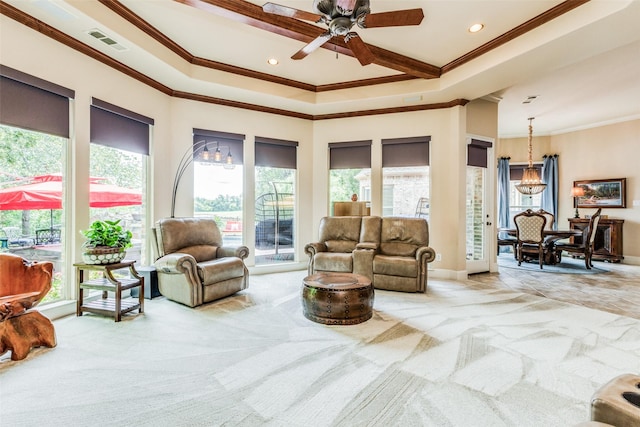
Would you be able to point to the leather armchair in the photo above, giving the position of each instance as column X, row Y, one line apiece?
column 193, row 265
column 400, row 263
column 337, row 239
column 392, row 252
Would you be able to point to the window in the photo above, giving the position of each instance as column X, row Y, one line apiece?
column 34, row 134
column 349, row 171
column 218, row 187
column 275, row 200
column 123, row 189
column 120, row 137
column 33, row 228
column 405, row 176
column 519, row 202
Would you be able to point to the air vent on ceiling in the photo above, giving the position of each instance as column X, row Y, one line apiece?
column 100, row 35
column 530, row 99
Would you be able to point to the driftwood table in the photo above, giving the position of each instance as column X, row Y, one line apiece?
column 22, row 286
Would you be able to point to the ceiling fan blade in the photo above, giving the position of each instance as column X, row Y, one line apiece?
column 315, row 44
column 396, row 18
column 290, row 12
column 359, row 48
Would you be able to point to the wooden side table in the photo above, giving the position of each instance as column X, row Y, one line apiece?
column 115, row 307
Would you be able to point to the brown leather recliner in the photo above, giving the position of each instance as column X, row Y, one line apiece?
column 193, row 265
column 338, row 237
column 392, row 252
column 400, row 263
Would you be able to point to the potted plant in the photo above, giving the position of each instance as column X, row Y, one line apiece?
column 106, row 243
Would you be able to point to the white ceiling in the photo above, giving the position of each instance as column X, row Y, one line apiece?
column 584, row 66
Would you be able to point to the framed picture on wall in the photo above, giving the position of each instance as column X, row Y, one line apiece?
column 602, row 193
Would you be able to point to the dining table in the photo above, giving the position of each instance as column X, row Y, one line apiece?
column 550, row 239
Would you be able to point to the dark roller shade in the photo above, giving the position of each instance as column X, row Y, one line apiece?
column 228, row 142
column 276, row 153
column 516, row 171
column 402, row 152
column 31, row 103
column 350, row 155
column 477, row 153
column 116, row 127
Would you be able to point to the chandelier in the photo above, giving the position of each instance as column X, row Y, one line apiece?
column 531, row 182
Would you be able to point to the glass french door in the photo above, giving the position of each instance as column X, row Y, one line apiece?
column 479, row 224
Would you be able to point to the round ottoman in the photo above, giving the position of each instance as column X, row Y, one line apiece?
column 337, row 298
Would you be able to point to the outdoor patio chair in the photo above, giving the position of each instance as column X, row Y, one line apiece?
column 48, row 236
column 15, row 237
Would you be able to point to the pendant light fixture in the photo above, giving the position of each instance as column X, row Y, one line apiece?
column 199, row 153
column 531, row 183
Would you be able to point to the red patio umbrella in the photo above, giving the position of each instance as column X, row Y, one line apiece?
column 45, row 192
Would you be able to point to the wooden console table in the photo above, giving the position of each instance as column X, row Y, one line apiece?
column 351, row 208
column 608, row 241
column 115, row 307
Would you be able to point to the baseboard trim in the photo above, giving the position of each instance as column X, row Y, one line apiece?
column 447, row 274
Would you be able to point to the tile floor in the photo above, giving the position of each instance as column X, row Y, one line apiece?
column 616, row 291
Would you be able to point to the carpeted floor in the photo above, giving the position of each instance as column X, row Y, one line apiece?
column 456, row 356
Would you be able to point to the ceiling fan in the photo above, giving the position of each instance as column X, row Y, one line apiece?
column 340, row 16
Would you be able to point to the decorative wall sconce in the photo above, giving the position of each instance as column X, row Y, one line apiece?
column 199, row 152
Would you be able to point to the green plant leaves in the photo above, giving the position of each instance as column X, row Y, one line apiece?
column 107, row 233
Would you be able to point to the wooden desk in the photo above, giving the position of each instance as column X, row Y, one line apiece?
column 550, row 237
column 115, row 307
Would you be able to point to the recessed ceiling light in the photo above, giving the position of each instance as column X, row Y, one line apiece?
column 475, row 28
column 272, row 61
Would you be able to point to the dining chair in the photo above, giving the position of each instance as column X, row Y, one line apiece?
column 504, row 239
column 530, row 233
column 548, row 241
column 585, row 246
column 550, row 218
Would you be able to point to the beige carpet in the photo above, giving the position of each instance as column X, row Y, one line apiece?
column 453, row 357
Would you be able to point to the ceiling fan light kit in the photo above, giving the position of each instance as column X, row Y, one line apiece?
column 340, row 16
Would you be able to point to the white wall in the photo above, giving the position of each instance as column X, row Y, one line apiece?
column 447, row 165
